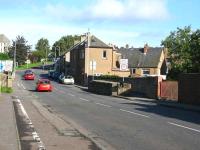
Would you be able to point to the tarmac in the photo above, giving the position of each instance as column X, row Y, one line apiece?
column 9, row 137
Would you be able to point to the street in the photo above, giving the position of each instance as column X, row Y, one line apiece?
column 123, row 124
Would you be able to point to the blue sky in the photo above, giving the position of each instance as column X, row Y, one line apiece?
column 119, row 22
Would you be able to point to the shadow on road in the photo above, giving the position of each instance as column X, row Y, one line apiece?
column 184, row 115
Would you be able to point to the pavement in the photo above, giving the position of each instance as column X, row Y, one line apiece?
column 9, row 136
column 9, row 139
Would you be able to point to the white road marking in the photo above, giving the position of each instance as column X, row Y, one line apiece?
column 56, row 89
column 134, row 113
column 84, row 99
column 178, row 125
column 23, row 86
column 18, row 84
column 34, row 133
column 103, row 105
column 71, row 94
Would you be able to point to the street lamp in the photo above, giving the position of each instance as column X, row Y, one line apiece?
column 14, row 60
column 56, row 50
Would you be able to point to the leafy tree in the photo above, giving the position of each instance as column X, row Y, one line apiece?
column 4, row 56
column 43, row 47
column 64, row 43
column 195, row 51
column 184, row 50
column 36, row 56
column 21, row 49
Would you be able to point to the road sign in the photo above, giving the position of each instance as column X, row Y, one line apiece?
column 1, row 66
column 93, row 65
column 6, row 65
column 123, row 64
column 28, row 61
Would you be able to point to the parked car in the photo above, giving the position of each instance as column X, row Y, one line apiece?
column 66, row 79
column 29, row 76
column 44, row 85
column 56, row 75
column 50, row 73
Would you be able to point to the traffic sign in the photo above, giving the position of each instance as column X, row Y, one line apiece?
column 123, row 64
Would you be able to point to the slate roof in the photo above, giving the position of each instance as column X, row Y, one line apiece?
column 137, row 59
column 4, row 39
column 94, row 43
column 97, row 43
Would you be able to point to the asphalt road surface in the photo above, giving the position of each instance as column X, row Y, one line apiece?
column 124, row 124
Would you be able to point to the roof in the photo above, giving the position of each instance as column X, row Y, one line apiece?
column 94, row 43
column 137, row 59
column 97, row 43
column 4, row 39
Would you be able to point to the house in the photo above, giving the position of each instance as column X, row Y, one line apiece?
column 146, row 61
column 4, row 43
column 92, row 57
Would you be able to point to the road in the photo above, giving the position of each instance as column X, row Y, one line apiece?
column 124, row 124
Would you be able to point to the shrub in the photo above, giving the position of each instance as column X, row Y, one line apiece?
column 4, row 56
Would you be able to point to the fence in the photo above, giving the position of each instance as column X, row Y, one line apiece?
column 189, row 88
column 169, row 90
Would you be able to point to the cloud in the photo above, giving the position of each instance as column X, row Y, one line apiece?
column 112, row 10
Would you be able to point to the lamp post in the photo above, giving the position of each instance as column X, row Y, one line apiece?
column 14, row 60
column 56, row 50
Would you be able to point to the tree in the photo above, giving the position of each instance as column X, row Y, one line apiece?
column 43, row 47
column 21, row 49
column 36, row 56
column 64, row 43
column 184, row 50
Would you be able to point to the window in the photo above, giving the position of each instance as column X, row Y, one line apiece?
column 146, row 71
column 104, row 54
column 133, row 70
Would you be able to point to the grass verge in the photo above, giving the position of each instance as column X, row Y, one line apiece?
column 22, row 67
column 6, row 90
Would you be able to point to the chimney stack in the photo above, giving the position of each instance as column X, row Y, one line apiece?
column 146, row 47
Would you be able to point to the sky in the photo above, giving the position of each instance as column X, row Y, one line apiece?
column 119, row 22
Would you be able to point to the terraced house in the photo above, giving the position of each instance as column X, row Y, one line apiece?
column 147, row 61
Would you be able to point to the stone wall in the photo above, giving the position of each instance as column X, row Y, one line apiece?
column 103, row 87
column 189, row 88
column 147, row 86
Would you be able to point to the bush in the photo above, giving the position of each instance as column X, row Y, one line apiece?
column 6, row 90
column 4, row 56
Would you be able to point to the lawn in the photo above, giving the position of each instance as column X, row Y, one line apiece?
column 22, row 67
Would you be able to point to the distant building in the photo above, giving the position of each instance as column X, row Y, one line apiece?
column 4, row 43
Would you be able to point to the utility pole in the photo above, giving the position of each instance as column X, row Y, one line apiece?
column 14, row 60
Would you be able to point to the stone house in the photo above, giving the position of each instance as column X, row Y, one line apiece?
column 147, row 61
column 92, row 57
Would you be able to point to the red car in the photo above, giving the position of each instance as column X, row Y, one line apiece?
column 29, row 76
column 44, row 85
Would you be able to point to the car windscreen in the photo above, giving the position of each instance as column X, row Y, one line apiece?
column 68, row 77
column 44, row 82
